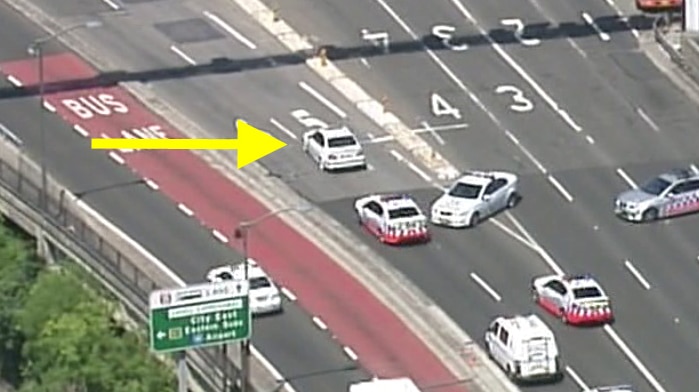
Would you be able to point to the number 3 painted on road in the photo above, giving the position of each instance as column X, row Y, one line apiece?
column 446, row 34
column 522, row 104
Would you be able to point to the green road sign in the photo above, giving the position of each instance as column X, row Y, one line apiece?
column 200, row 315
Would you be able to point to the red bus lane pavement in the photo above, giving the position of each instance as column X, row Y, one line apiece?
column 382, row 343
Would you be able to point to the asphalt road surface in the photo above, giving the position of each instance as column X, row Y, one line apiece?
column 154, row 221
column 621, row 115
column 587, row 108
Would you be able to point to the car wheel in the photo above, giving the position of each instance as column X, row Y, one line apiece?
column 475, row 219
column 650, row 215
column 535, row 295
column 321, row 164
column 564, row 317
column 512, row 200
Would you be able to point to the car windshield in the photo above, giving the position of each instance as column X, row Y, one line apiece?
column 344, row 141
column 655, row 186
column 466, row 191
column 587, row 292
column 259, row 283
column 404, row 212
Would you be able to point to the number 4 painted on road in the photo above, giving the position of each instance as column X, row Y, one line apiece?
column 441, row 107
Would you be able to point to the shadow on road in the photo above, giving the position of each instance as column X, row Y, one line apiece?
column 504, row 36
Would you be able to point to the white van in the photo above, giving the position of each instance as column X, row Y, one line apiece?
column 403, row 384
column 524, row 347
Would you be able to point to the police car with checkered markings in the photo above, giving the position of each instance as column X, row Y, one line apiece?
column 673, row 193
column 576, row 299
column 393, row 219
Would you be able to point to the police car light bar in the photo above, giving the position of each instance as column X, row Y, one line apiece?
column 394, row 197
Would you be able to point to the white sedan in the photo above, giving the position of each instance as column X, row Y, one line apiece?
column 474, row 197
column 334, row 149
column 264, row 294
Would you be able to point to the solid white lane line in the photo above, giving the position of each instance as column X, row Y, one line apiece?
column 185, row 210
column 184, row 56
column 116, row 158
column 230, row 30
column 219, row 236
column 319, row 323
column 648, row 120
column 49, row 107
column 521, row 229
column 400, row 158
column 112, row 4
column 14, row 81
column 562, row 190
column 432, row 132
column 633, row 358
column 282, row 128
column 578, row 380
column 80, row 130
column 315, row 94
column 439, row 128
column 626, row 178
column 512, row 234
column 485, row 286
column 518, row 68
column 151, row 184
column 350, row 353
column 590, row 21
column 288, row 294
column 637, row 275
column 432, row 129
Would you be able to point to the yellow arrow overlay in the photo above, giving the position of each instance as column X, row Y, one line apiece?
column 252, row 144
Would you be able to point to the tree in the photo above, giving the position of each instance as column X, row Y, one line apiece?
column 19, row 267
column 53, row 294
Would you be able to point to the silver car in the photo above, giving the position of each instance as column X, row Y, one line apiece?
column 669, row 194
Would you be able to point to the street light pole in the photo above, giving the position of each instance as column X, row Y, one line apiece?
column 242, row 232
column 37, row 49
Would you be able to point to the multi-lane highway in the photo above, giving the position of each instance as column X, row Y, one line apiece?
column 155, row 222
column 593, row 112
column 580, row 118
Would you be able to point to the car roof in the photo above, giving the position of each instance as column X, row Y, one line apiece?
column 332, row 133
column 581, row 281
column 527, row 326
column 392, row 201
column 677, row 174
column 483, row 178
column 238, row 270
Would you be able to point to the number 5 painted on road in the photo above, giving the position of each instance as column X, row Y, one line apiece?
column 522, row 104
column 307, row 120
column 519, row 30
column 446, row 34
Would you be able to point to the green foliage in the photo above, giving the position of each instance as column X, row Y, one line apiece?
column 58, row 334
column 18, row 268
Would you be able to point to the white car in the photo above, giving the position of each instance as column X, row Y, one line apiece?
column 264, row 293
column 475, row 196
column 394, row 219
column 334, row 149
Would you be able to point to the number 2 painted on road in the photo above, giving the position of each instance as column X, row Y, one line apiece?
column 442, row 107
column 521, row 102
column 446, row 34
column 307, row 120
column 519, row 30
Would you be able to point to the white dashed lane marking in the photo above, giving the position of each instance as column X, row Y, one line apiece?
column 185, row 210
column 350, row 353
column 288, row 294
column 116, row 158
column 319, row 323
column 219, row 236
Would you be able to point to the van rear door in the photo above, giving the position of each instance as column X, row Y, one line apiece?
column 540, row 357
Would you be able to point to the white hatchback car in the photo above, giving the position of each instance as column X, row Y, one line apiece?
column 264, row 294
column 474, row 197
column 334, row 149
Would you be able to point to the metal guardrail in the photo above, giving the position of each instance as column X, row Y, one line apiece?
column 68, row 229
column 691, row 70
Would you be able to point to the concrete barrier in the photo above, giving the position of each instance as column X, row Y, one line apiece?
column 70, row 229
